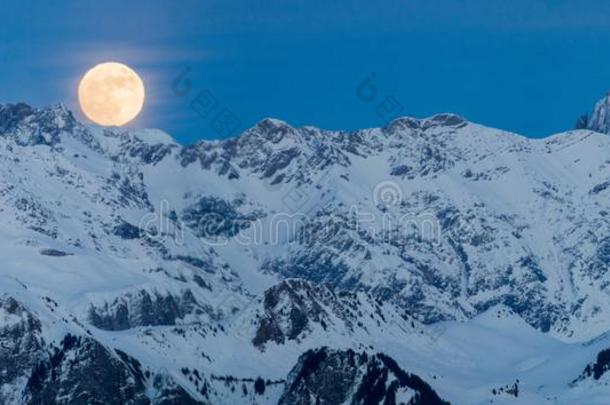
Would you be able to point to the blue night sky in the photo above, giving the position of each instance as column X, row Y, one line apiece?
column 527, row 66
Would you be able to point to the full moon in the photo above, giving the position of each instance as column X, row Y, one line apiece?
column 111, row 94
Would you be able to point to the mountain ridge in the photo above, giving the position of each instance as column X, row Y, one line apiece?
column 213, row 264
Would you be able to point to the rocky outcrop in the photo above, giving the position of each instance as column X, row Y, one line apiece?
column 168, row 392
column 21, row 346
column 143, row 308
column 599, row 119
column 76, row 370
column 211, row 217
column 596, row 369
column 294, row 308
column 325, row 376
column 29, row 126
column 81, row 370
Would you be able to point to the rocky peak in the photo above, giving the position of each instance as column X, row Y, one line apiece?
column 148, row 146
column 271, row 130
column 273, row 124
column 599, row 119
column 438, row 120
column 325, row 376
column 21, row 343
column 12, row 114
column 295, row 309
column 35, row 126
column 445, row 119
column 290, row 310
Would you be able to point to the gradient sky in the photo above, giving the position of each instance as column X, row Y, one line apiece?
column 527, row 66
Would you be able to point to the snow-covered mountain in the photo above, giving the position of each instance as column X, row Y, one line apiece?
column 251, row 270
column 599, row 119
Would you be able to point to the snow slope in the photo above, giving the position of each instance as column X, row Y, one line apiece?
column 475, row 258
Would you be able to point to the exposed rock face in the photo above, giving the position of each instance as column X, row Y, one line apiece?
column 213, row 218
column 170, row 393
column 487, row 247
column 287, row 314
column 326, row 376
column 126, row 230
column 77, row 370
column 124, row 239
column 30, row 126
column 81, row 370
column 143, row 309
column 599, row 119
column 21, row 346
column 596, row 369
column 271, row 150
column 295, row 308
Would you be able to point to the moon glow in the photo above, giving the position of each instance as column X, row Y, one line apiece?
column 111, row 94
